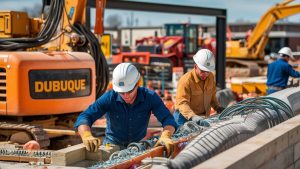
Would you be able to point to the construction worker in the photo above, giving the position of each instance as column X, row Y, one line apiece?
column 280, row 70
column 128, row 108
column 196, row 91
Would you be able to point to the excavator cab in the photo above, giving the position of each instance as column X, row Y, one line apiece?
column 189, row 33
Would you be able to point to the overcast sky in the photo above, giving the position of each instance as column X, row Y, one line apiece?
column 237, row 10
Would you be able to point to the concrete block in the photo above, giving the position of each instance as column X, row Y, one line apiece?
column 263, row 154
column 69, row 155
column 291, row 167
column 281, row 160
column 297, row 151
column 297, row 164
column 95, row 156
column 255, row 151
column 294, row 135
column 107, row 151
column 225, row 159
column 77, row 153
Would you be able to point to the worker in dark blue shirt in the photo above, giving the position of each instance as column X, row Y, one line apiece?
column 280, row 70
column 128, row 108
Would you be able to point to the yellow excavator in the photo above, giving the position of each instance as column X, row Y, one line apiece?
column 51, row 69
column 252, row 48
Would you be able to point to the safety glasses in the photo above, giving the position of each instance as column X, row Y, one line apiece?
column 203, row 72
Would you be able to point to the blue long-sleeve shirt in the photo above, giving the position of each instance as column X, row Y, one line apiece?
column 279, row 72
column 126, row 123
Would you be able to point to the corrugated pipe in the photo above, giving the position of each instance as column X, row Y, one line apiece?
column 236, row 124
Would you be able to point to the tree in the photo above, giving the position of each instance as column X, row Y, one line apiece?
column 34, row 11
column 114, row 21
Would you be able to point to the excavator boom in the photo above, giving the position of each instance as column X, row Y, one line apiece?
column 267, row 21
column 253, row 47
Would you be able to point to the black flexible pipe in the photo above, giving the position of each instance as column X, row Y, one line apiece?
column 260, row 114
column 93, row 46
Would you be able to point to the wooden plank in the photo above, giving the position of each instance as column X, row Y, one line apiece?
column 59, row 131
column 14, row 158
column 9, row 158
column 30, row 159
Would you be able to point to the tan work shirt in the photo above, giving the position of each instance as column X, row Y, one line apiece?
column 195, row 96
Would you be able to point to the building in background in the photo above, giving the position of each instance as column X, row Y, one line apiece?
column 282, row 34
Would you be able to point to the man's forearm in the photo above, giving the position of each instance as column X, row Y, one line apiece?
column 170, row 128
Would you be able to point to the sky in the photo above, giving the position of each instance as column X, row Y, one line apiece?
column 237, row 11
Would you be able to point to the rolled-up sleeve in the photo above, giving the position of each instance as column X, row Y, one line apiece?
column 93, row 112
column 161, row 112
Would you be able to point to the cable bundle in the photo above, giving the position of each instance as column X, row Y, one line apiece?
column 93, row 46
column 47, row 32
column 44, row 36
column 263, row 104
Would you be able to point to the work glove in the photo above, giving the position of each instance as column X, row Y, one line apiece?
column 200, row 121
column 91, row 143
column 220, row 110
column 165, row 139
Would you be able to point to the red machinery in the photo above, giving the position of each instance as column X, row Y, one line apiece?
column 180, row 42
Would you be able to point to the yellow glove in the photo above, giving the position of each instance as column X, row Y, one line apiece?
column 165, row 139
column 91, row 143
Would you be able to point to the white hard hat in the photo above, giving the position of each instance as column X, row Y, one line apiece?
column 286, row 51
column 205, row 60
column 125, row 76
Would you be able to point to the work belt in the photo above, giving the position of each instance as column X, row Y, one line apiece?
column 275, row 88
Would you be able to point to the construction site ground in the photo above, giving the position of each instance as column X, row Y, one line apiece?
column 10, row 165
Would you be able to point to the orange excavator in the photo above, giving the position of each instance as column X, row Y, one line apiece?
column 51, row 69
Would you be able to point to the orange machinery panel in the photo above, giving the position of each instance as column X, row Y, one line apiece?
column 14, row 24
column 135, row 57
column 45, row 83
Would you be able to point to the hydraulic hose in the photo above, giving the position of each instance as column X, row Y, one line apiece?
column 47, row 32
column 44, row 36
column 93, row 47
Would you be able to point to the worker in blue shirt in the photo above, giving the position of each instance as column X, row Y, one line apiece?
column 128, row 108
column 280, row 70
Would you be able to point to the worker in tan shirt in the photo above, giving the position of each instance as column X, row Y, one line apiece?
column 196, row 91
